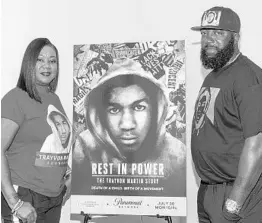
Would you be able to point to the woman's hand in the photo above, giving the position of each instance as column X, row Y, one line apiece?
column 68, row 188
column 26, row 213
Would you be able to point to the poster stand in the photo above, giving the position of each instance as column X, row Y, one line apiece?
column 167, row 218
column 88, row 217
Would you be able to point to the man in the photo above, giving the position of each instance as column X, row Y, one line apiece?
column 128, row 116
column 202, row 108
column 125, row 117
column 226, row 132
column 62, row 127
column 61, row 139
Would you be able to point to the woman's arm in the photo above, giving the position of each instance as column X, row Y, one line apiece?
column 8, row 132
column 26, row 212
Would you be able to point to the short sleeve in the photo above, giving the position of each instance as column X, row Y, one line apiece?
column 250, row 109
column 58, row 102
column 11, row 108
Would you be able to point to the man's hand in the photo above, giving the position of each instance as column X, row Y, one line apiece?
column 27, row 213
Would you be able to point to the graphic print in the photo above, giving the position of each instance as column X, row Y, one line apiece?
column 204, row 107
column 56, row 147
column 131, row 128
column 211, row 18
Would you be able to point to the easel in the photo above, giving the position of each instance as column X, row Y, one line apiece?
column 88, row 217
column 167, row 218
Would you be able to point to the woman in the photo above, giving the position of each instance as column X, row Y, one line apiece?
column 33, row 181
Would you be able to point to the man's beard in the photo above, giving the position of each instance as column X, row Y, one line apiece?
column 221, row 58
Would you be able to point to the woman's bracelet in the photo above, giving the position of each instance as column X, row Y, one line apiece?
column 18, row 209
column 18, row 205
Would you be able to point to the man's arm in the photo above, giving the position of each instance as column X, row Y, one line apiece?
column 249, row 169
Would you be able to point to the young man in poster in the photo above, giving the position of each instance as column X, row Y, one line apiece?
column 126, row 141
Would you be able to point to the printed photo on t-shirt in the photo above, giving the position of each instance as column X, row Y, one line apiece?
column 56, row 147
column 204, row 107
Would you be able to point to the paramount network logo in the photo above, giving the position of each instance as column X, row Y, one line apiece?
column 121, row 201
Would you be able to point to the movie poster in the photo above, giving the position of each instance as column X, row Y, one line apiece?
column 129, row 156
